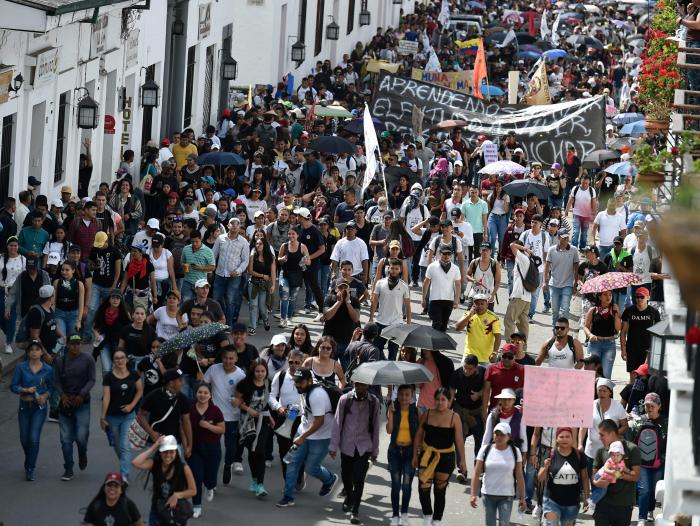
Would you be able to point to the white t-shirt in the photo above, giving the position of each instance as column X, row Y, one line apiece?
column 390, row 306
column 320, row 406
column 15, row 266
column 499, row 205
column 609, row 226
column 534, row 242
column 641, row 263
column 615, row 412
column 224, row 388
column 285, row 394
column 354, row 251
column 468, row 234
column 166, row 327
column 499, row 472
column 522, row 262
column 442, row 284
column 423, row 262
column 630, row 242
column 253, row 206
column 582, row 201
column 412, row 218
column 161, row 264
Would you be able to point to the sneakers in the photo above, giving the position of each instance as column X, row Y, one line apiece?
column 354, row 519
column 8, row 349
column 347, row 508
column 286, row 502
column 261, row 491
column 226, row 479
column 276, row 316
column 326, row 489
column 342, row 494
column 253, row 488
column 67, row 475
column 196, row 512
column 427, row 520
column 461, row 478
column 82, row 461
column 546, row 310
column 53, row 417
column 251, row 331
column 283, row 323
column 267, row 326
column 642, row 522
column 318, row 318
column 591, row 505
column 310, row 309
column 404, row 519
column 537, row 511
column 29, row 475
column 238, row 468
column 268, row 463
column 209, row 495
column 395, row 521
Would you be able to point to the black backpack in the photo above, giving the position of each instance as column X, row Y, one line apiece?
column 573, row 194
column 373, row 401
column 569, row 341
column 531, row 279
column 333, row 391
column 513, row 450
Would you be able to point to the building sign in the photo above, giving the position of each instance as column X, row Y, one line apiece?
column 204, row 20
column 99, row 36
column 5, row 81
column 46, row 67
column 126, row 122
column 408, row 47
column 110, row 125
column 132, row 48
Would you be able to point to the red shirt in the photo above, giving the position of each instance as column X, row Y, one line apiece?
column 500, row 378
column 200, row 435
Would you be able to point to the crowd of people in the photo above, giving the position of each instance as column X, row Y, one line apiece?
column 171, row 246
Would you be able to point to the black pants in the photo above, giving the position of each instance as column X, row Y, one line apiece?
column 439, row 312
column 352, row 471
column 256, row 457
column 608, row 515
column 475, row 249
column 311, row 280
column 415, row 264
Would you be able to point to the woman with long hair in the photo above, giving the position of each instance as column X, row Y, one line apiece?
column 58, row 243
column 262, row 271
column 69, row 298
column 323, row 367
column 127, row 205
column 207, row 427
column 111, row 316
column 602, row 325
column 121, row 393
column 255, row 426
column 439, row 433
column 499, row 206
column 211, row 234
column 33, row 381
column 163, row 265
column 300, row 339
column 12, row 265
column 400, row 192
column 168, row 319
column 291, row 256
column 172, row 478
column 136, row 337
column 139, row 279
column 276, row 354
column 111, row 506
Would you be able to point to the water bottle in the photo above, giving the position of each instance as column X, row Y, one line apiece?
column 290, row 454
column 110, row 438
column 292, row 413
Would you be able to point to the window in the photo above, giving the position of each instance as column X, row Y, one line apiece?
column 351, row 16
column 6, row 155
column 189, row 85
column 320, row 7
column 302, row 21
column 147, row 124
column 61, row 139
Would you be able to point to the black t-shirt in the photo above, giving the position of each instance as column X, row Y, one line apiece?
column 157, row 404
column 249, row 391
column 139, row 282
column 213, row 308
column 357, row 288
column 103, row 261
column 30, row 291
column 526, row 360
column 638, row 338
column 152, row 377
column 608, row 186
column 312, row 238
column 245, row 358
column 137, row 341
column 341, row 325
column 564, row 478
column 123, row 513
column 572, row 170
column 464, row 386
column 121, row 391
column 47, row 328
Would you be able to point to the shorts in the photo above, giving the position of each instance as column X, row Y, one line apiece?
column 566, row 514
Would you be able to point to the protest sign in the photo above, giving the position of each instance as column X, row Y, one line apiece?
column 490, row 151
column 545, row 131
column 558, row 397
column 408, row 47
column 456, row 80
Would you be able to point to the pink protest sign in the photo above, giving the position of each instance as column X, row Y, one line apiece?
column 558, row 397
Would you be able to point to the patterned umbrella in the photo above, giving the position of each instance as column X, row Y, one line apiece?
column 385, row 372
column 188, row 337
column 503, row 167
column 610, row 281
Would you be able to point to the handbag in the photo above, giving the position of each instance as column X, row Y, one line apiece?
column 407, row 246
column 138, row 436
column 176, row 516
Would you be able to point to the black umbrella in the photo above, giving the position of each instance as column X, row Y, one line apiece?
column 597, row 157
column 221, row 159
column 356, row 126
column 525, row 38
column 576, row 40
column 525, row 187
column 594, row 43
column 419, row 336
column 332, row 144
column 496, row 37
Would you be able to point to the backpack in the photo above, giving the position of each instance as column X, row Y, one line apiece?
column 438, row 241
column 515, row 437
column 515, row 458
column 373, row 401
column 542, row 235
column 22, row 336
column 475, row 262
column 569, row 341
column 531, row 279
column 649, row 444
column 333, row 391
column 573, row 194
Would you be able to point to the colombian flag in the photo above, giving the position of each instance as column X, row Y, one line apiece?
column 468, row 47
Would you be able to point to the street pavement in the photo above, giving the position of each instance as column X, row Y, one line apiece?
column 50, row 501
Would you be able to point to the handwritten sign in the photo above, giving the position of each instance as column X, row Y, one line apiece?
column 408, row 47
column 490, row 152
column 558, row 397
column 455, row 80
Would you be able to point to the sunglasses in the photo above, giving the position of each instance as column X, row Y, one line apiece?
column 294, row 362
column 508, row 356
column 560, row 328
column 640, row 296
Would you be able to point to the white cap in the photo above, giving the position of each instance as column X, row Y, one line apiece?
column 609, row 127
column 57, row 203
column 518, row 150
column 503, row 427
column 169, row 443
column 616, row 447
column 53, row 259
column 212, row 206
column 459, row 162
column 303, row 212
column 153, row 223
column 259, row 213
column 201, row 283
column 417, row 186
column 278, row 339
column 506, row 393
column 625, row 157
column 45, row 291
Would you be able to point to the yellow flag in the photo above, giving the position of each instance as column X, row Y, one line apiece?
column 538, row 86
column 250, row 97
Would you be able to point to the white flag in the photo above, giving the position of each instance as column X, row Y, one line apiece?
column 510, row 36
column 371, row 147
column 433, row 62
column 544, row 29
column 444, row 16
column 555, row 31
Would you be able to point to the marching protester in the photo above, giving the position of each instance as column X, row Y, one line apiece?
column 112, row 506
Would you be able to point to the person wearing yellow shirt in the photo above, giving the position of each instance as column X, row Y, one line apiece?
column 182, row 149
column 483, row 330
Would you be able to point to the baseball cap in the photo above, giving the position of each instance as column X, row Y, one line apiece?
column 604, row 382
column 479, row 296
column 652, row 398
column 592, row 248
column 506, row 393
column 46, row 291
column 32, row 263
column 114, row 477
column 554, row 222
column 485, row 244
column 340, row 282
column 618, row 239
column 455, row 212
column 75, row 338
column 643, row 291
column 66, row 189
column 115, row 293
column 358, row 207
column 234, row 219
column 394, row 243
column 302, row 374
column 278, row 339
column 169, row 443
column 100, row 239
column 57, row 203
column 238, row 327
column 153, row 223
column 165, row 142
column 503, row 427
column 556, row 166
column 171, row 374
column 520, row 335
column 303, row 212
column 639, row 224
column 351, row 224
column 563, row 232
column 642, row 370
column 201, row 283
column 53, row 259
column 446, row 222
column 509, row 348
column 259, row 213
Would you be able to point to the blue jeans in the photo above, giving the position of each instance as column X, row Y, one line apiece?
column 497, row 510
column 31, row 420
column 341, row 355
column 325, row 278
column 8, row 326
column 227, row 292
column 96, row 298
column 401, row 472
column 119, row 429
column 257, row 307
column 555, row 201
column 510, row 265
column 497, row 225
column 66, row 320
column 379, row 343
column 565, row 514
column 74, row 428
column 106, row 357
column 693, row 75
column 530, row 474
column 535, row 298
column 310, row 455
column 561, row 301
column 204, row 463
column 187, row 291
column 288, row 298
column 646, row 486
column 606, row 351
column 233, row 452
column 477, row 432
column 580, row 238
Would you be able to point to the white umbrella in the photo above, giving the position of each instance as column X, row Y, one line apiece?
column 503, row 167
column 388, row 372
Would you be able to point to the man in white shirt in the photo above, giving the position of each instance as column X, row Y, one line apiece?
column 391, row 296
column 223, row 378
column 519, row 304
column 608, row 224
column 630, row 240
column 537, row 241
column 232, row 254
column 584, row 205
column 444, row 280
column 351, row 248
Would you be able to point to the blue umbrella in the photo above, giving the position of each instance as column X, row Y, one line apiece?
column 635, row 129
column 553, row 54
column 531, row 55
column 623, row 168
column 477, row 5
column 492, row 91
column 221, row 159
column 626, row 118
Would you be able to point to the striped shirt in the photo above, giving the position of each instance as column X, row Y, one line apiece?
column 232, row 255
column 202, row 257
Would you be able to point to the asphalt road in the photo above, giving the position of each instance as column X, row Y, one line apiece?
column 50, row 501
